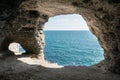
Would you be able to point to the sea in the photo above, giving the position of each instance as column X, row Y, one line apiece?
column 72, row 48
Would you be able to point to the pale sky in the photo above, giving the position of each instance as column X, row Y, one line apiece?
column 66, row 22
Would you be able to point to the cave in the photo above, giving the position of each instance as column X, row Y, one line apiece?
column 22, row 21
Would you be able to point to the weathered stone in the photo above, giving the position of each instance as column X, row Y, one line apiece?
column 22, row 21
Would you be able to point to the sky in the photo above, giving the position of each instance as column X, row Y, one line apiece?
column 66, row 22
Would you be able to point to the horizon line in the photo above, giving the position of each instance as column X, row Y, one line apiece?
column 66, row 30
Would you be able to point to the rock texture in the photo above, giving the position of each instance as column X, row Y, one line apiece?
column 22, row 21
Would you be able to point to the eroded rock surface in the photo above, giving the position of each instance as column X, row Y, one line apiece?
column 22, row 21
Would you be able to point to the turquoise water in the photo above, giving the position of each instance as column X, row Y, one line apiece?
column 72, row 48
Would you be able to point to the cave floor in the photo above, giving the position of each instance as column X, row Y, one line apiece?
column 24, row 68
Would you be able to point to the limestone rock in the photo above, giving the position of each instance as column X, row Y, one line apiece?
column 22, row 21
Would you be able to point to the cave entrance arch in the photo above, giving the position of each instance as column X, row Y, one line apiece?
column 16, row 48
column 29, row 43
column 101, row 16
column 56, row 27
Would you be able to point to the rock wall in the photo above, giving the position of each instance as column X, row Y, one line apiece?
column 22, row 21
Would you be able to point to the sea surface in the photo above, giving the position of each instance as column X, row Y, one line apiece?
column 72, row 48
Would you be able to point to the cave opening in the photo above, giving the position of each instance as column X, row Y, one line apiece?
column 16, row 48
column 69, row 42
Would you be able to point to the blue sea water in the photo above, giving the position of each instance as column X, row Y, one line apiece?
column 72, row 48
